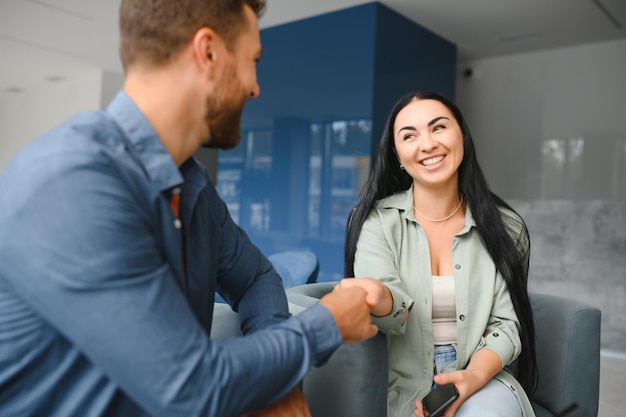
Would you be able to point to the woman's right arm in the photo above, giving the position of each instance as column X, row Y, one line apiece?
column 375, row 258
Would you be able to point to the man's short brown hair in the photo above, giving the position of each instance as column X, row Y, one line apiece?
column 154, row 31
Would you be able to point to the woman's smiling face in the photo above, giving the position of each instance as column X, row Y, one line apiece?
column 429, row 142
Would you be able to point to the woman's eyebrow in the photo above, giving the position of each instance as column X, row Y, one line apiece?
column 436, row 119
column 432, row 122
column 406, row 128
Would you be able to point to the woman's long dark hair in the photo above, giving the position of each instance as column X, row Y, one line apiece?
column 510, row 257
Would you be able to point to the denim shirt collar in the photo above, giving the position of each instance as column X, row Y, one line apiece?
column 144, row 143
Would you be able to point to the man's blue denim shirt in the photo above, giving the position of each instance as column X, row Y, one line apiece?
column 100, row 316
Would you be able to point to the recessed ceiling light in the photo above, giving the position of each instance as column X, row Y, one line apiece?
column 54, row 79
column 518, row 38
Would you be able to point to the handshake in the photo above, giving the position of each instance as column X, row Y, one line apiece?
column 352, row 303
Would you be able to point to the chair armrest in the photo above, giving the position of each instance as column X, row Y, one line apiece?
column 316, row 290
column 354, row 380
column 226, row 324
column 568, row 354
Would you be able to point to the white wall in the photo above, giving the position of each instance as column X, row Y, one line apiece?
column 33, row 111
column 521, row 105
column 550, row 129
column 112, row 82
column 37, row 109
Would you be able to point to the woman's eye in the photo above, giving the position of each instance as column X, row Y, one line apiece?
column 438, row 127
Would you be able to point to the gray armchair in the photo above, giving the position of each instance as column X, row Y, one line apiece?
column 568, row 355
column 354, row 381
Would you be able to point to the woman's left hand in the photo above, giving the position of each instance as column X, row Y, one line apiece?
column 462, row 380
column 483, row 366
column 419, row 409
column 466, row 383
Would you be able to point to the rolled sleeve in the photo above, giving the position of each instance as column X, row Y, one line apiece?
column 394, row 323
column 375, row 258
column 502, row 332
column 502, row 345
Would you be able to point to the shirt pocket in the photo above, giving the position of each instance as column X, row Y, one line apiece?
column 394, row 402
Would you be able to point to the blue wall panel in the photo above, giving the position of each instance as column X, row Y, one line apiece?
column 408, row 58
column 307, row 140
column 316, row 69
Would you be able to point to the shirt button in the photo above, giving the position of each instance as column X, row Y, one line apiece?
column 495, row 334
column 177, row 223
column 457, row 266
column 462, row 317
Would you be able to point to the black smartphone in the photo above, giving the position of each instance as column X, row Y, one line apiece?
column 439, row 399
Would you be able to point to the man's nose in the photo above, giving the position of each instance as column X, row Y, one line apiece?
column 256, row 91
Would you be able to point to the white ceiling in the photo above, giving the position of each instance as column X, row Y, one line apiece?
column 52, row 40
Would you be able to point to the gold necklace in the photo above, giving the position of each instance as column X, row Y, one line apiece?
column 440, row 220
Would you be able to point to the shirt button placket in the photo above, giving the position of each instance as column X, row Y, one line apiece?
column 462, row 316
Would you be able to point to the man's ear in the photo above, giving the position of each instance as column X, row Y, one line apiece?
column 205, row 46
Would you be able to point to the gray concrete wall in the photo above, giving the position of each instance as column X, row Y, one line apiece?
column 578, row 250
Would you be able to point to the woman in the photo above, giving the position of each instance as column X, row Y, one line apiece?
column 449, row 265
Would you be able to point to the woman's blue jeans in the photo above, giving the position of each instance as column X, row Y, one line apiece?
column 495, row 399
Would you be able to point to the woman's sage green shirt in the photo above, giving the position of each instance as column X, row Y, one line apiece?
column 393, row 247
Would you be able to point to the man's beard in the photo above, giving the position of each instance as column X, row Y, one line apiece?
column 223, row 117
column 224, row 124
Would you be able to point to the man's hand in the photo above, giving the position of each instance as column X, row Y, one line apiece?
column 378, row 295
column 291, row 405
column 351, row 311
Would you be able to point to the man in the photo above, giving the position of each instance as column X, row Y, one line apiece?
column 113, row 242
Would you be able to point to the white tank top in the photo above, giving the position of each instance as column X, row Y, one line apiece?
column 444, row 310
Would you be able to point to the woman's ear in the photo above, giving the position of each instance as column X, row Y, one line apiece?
column 397, row 157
